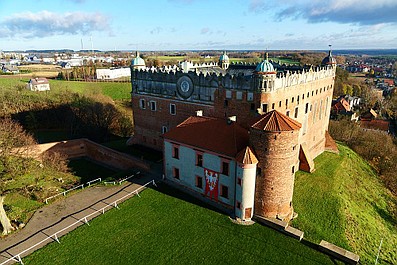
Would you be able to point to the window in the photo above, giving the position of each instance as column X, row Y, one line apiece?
column 296, row 113
column 239, row 95
column 250, row 96
column 307, row 108
column 172, row 109
column 308, row 94
column 293, row 169
column 286, row 103
column 303, row 96
column 175, row 152
column 273, row 105
column 297, row 100
column 226, row 103
column 238, row 205
column 228, row 94
column 239, row 181
column 287, row 113
column 199, row 160
column 225, row 192
column 176, row 173
column 199, row 182
column 153, row 106
column 292, row 100
column 142, row 103
column 164, row 129
column 225, row 168
column 264, row 108
column 279, row 104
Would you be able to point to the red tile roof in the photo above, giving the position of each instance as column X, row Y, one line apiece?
column 275, row 121
column 212, row 134
column 246, row 156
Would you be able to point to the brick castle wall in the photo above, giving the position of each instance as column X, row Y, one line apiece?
column 278, row 155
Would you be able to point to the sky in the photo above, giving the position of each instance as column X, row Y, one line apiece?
column 198, row 24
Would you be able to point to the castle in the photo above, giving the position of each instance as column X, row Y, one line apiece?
column 235, row 133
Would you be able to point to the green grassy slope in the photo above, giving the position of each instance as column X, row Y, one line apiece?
column 160, row 229
column 345, row 203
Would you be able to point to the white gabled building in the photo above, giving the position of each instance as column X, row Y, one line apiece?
column 38, row 84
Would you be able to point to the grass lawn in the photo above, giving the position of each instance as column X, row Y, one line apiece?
column 345, row 203
column 115, row 90
column 160, row 229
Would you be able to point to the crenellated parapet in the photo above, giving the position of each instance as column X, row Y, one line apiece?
column 199, row 81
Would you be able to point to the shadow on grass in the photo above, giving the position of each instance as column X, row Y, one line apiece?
column 170, row 190
column 387, row 216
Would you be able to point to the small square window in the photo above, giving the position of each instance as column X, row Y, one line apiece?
column 225, row 168
column 239, row 95
column 199, row 160
column 176, row 173
column 175, row 153
column 199, row 182
column 228, row 94
column 153, row 106
column 250, row 96
column 142, row 103
column 225, row 192
column 172, row 109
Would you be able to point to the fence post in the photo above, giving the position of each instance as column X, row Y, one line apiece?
column 19, row 259
column 377, row 256
column 56, row 238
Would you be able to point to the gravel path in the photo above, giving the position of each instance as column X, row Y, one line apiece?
column 61, row 213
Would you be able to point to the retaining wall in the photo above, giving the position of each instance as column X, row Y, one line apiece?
column 86, row 148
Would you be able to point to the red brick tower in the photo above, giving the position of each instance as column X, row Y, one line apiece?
column 274, row 137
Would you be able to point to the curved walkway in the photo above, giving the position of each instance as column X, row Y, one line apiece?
column 51, row 218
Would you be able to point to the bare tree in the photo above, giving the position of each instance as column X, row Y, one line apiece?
column 15, row 144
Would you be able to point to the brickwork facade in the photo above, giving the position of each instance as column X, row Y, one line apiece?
column 278, row 155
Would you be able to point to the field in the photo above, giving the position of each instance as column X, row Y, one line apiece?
column 160, row 229
column 345, row 203
column 115, row 90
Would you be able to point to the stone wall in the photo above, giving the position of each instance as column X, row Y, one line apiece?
column 86, row 148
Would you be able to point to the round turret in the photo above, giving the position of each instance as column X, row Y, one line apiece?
column 138, row 62
column 274, row 138
column 265, row 66
column 224, row 61
column 329, row 60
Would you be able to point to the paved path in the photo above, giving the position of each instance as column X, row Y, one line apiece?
column 59, row 214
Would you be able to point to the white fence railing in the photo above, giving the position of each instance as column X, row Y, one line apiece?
column 54, row 236
column 89, row 183
column 74, row 188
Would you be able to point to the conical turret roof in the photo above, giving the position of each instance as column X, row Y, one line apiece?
column 275, row 121
column 246, row 156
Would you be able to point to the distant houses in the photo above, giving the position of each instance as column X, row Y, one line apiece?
column 38, row 84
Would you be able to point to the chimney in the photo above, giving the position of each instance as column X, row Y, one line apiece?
column 199, row 113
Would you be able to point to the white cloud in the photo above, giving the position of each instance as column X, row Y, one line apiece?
column 46, row 23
